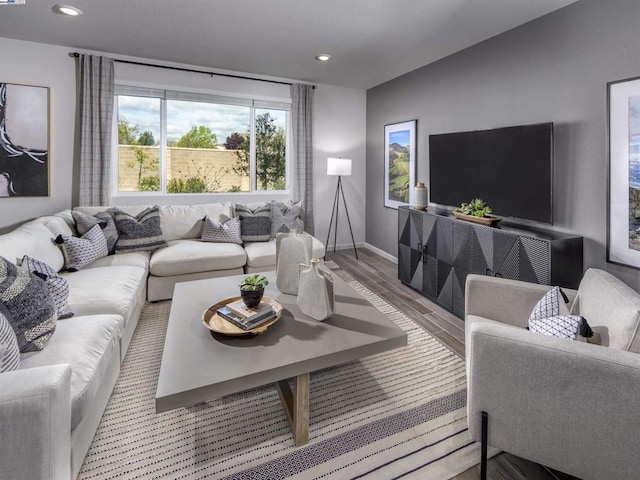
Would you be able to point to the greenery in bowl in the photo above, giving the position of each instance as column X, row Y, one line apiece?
column 475, row 207
column 253, row 283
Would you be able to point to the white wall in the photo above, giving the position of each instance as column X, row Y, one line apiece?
column 339, row 130
column 47, row 66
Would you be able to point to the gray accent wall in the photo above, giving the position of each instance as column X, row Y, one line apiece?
column 553, row 69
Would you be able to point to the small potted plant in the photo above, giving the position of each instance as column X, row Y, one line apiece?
column 252, row 289
column 476, row 211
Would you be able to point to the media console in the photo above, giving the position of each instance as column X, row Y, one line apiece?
column 436, row 252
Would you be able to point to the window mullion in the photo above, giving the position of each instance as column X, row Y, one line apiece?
column 163, row 146
column 252, row 152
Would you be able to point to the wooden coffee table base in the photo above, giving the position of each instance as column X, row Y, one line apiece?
column 296, row 406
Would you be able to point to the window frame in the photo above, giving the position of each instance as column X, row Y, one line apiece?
column 254, row 103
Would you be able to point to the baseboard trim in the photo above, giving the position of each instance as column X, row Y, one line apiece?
column 380, row 252
column 345, row 246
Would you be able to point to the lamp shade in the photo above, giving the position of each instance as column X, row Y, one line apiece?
column 339, row 166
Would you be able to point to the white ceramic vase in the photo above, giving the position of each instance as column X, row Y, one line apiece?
column 315, row 295
column 292, row 249
column 420, row 196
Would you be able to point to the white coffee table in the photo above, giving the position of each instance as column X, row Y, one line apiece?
column 198, row 367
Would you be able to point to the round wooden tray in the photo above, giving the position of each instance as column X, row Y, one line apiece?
column 218, row 324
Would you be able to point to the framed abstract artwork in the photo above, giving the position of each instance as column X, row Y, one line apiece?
column 24, row 141
column 399, row 163
column 623, row 209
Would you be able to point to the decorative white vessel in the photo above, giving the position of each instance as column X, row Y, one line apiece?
column 315, row 295
column 292, row 249
column 420, row 196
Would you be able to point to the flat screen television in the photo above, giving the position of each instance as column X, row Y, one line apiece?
column 510, row 168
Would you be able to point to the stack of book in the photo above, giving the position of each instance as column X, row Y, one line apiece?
column 247, row 318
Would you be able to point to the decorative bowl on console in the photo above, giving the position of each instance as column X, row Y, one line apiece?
column 478, row 212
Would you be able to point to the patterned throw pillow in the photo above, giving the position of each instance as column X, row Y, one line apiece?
column 255, row 224
column 285, row 218
column 139, row 233
column 551, row 316
column 227, row 232
column 85, row 222
column 58, row 286
column 9, row 350
column 26, row 302
column 562, row 326
column 80, row 252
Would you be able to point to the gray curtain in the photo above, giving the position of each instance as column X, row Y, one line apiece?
column 95, row 104
column 302, row 132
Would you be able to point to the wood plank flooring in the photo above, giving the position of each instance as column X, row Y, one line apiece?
column 381, row 276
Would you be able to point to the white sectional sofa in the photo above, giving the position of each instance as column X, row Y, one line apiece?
column 51, row 406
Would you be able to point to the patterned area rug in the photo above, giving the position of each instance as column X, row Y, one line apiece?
column 401, row 414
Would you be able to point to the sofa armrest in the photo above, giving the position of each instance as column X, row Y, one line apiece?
column 568, row 405
column 35, row 423
column 504, row 300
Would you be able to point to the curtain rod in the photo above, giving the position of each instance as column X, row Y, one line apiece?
column 228, row 75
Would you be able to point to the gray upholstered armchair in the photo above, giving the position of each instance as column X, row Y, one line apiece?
column 572, row 406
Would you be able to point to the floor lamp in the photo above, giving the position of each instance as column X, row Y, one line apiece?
column 342, row 168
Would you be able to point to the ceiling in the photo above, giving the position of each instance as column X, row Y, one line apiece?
column 371, row 41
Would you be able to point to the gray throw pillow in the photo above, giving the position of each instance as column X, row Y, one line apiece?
column 58, row 286
column 9, row 350
column 26, row 302
column 139, row 233
column 80, row 252
column 255, row 223
column 286, row 217
column 227, row 232
column 84, row 223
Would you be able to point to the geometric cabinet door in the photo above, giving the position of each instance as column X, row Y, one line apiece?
column 436, row 252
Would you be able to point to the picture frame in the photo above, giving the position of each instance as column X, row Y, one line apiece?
column 399, row 163
column 623, row 186
column 24, row 140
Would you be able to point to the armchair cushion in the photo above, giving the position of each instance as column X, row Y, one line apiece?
column 612, row 309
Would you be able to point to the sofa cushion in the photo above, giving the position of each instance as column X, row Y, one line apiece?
column 33, row 239
column 58, row 286
column 255, row 221
column 9, row 350
column 227, row 231
column 138, row 233
column 89, row 345
column 112, row 290
column 286, row 217
column 85, row 222
column 185, row 221
column 191, row 256
column 81, row 251
column 26, row 302
column 132, row 259
column 611, row 308
column 57, row 224
column 263, row 254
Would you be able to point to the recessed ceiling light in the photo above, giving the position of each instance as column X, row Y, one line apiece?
column 66, row 10
column 323, row 57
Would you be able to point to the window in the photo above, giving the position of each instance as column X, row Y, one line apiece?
column 177, row 142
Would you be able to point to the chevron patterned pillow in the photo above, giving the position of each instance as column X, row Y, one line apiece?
column 227, row 232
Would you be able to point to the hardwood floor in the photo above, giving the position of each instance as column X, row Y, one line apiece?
column 381, row 276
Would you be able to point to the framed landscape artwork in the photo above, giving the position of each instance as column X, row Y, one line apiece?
column 623, row 215
column 399, row 163
column 24, row 141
